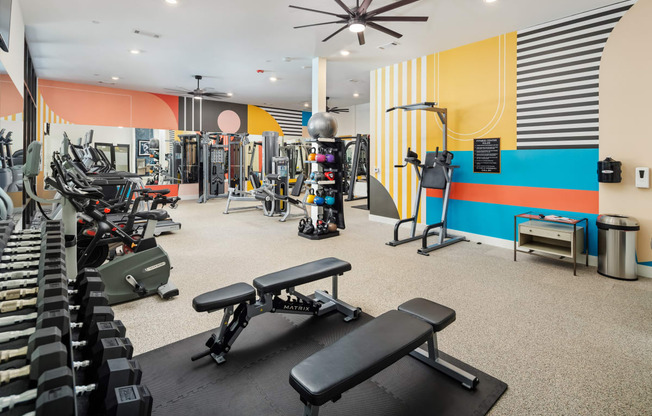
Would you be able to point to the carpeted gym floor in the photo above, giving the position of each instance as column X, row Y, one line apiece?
column 564, row 344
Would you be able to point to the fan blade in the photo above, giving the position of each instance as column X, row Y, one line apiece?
column 341, row 16
column 346, row 9
column 176, row 90
column 384, row 30
column 320, row 24
column 363, row 8
column 335, row 33
column 361, row 38
column 398, row 19
column 216, row 95
column 209, row 98
column 390, row 7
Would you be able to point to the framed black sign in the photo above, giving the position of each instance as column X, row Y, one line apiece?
column 486, row 155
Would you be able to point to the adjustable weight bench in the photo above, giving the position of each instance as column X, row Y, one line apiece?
column 266, row 298
column 371, row 348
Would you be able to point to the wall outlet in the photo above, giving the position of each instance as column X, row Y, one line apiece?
column 642, row 177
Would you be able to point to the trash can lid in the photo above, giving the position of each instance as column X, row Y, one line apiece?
column 617, row 222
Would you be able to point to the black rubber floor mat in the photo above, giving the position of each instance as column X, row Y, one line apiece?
column 254, row 379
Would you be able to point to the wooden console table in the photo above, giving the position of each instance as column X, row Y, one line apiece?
column 551, row 234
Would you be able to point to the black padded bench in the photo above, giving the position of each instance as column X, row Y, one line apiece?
column 327, row 374
column 240, row 303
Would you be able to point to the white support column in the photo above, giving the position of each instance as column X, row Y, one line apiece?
column 318, row 85
column 318, row 106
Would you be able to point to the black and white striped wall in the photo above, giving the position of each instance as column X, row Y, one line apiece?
column 290, row 121
column 558, row 65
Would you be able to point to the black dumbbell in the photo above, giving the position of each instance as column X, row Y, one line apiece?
column 55, row 393
column 113, row 373
column 53, row 296
column 54, row 355
column 42, row 336
column 130, row 401
column 61, row 319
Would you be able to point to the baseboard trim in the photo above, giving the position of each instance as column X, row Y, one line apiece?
column 644, row 271
column 500, row 242
column 189, row 197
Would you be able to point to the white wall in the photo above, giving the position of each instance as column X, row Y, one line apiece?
column 13, row 61
column 356, row 121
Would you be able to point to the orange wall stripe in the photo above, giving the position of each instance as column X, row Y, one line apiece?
column 523, row 196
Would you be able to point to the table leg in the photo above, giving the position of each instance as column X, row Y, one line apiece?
column 586, row 243
column 574, row 248
column 514, row 238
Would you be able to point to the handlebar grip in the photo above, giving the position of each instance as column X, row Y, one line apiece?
column 399, row 166
column 200, row 355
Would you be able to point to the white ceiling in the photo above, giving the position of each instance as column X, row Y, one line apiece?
column 229, row 40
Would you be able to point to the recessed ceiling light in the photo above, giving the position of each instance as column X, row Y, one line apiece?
column 115, row 78
column 356, row 95
column 230, row 94
column 306, row 105
column 344, row 52
column 171, row 1
column 273, row 79
column 134, row 51
column 489, row 1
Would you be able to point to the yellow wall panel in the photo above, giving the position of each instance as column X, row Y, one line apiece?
column 260, row 120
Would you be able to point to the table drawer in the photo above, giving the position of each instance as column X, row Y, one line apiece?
column 541, row 232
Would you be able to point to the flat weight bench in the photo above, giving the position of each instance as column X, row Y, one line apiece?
column 269, row 288
column 366, row 351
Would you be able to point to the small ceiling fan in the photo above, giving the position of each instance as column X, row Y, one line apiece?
column 199, row 93
column 357, row 19
column 335, row 110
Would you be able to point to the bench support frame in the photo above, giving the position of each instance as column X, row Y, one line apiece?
column 235, row 321
column 432, row 359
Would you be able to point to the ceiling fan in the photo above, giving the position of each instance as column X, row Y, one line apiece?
column 199, row 93
column 335, row 110
column 357, row 19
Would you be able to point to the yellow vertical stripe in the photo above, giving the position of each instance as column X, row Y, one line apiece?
column 391, row 132
column 382, row 136
column 408, row 190
column 399, row 139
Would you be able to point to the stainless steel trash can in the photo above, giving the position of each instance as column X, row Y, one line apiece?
column 617, row 246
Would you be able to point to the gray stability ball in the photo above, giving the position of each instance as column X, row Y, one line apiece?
column 322, row 125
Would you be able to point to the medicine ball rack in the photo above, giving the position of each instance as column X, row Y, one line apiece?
column 323, row 212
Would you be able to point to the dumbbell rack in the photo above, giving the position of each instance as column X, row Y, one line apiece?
column 57, row 323
column 337, row 167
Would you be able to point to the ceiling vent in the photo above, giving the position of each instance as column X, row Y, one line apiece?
column 148, row 34
column 389, row 45
column 106, row 83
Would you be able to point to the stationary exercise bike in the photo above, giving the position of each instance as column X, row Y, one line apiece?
column 143, row 269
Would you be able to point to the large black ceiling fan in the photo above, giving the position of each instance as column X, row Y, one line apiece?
column 335, row 110
column 358, row 18
column 199, row 93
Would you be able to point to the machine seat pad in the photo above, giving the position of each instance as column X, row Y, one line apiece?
column 223, row 297
column 439, row 316
column 357, row 356
column 298, row 275
column 154, row 214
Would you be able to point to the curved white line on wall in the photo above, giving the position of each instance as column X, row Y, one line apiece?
column 502, row 46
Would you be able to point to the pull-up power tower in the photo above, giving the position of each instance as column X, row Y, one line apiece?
column 435, row 173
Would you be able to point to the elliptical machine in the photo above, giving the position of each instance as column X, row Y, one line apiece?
column 435, row 173
column 144, row 267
